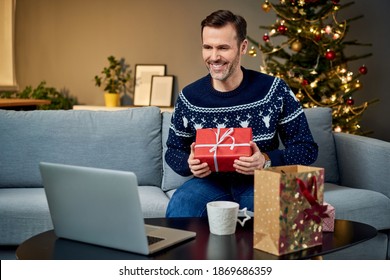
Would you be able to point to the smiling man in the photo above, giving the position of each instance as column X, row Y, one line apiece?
column 232, row 96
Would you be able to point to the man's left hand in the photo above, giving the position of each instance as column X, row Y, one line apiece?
column 248, row 165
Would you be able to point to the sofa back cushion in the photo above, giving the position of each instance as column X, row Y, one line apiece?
column 171, row 180
column 320, row 123
column 128, row 140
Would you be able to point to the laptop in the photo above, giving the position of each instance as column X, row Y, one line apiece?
column 102, row 207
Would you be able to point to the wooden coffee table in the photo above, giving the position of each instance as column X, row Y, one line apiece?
column 205, row 246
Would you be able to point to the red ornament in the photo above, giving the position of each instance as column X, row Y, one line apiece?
column 363, row 70
column 317, row 37
column 335, row 2
column 305, row 82
column 350, row 101
column 330, row 55
column 266, row 37
column 282, row 29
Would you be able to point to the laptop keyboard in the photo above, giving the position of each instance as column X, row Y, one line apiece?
column 153, row 239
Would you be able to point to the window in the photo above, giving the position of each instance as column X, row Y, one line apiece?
column 7, row 56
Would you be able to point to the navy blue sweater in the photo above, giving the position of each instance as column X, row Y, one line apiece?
column 262, row 102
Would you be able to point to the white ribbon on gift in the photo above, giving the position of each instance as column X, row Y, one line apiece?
column 218, row 143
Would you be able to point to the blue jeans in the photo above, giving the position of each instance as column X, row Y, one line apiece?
column 190, row 199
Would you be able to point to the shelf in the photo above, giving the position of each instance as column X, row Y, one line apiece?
column 104, row 108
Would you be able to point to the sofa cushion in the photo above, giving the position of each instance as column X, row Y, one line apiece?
column 359, row 205
column 23, row 214
column 154, row 202
column 171, row 180
column 364, row 162
column 128, row 140
column 320, row 123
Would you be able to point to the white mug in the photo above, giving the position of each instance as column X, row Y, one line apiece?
column 223, row 217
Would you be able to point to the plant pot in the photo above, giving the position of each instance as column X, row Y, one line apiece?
column 111, row 99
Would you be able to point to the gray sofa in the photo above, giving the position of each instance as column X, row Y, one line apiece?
column 357, row 168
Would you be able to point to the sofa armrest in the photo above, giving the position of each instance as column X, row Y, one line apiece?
column 364, row 162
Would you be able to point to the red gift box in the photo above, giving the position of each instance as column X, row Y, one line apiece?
column 328, row 223
column 219, row 147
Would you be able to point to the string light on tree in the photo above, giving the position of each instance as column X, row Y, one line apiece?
column 305, row 47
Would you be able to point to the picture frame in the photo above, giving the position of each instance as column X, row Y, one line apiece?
column 161, row 90
column 143, row 82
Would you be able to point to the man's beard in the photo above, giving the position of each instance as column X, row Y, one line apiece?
column 226, row 73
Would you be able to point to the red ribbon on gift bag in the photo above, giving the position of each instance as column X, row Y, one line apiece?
column 317, row 211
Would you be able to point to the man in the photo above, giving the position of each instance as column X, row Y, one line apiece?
column 232, row 96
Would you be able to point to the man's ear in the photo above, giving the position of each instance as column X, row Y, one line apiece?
column 244, row 46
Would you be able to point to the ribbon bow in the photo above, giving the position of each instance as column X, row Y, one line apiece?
column 317, row 211
column 219, row 139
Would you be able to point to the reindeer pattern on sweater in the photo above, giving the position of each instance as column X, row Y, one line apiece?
column 262, row 102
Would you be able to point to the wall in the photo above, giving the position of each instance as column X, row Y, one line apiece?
column 373, row 28
column 66, row 43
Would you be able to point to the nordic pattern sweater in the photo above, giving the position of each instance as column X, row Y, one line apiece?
column 262, row 102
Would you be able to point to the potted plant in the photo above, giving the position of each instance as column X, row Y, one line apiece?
column 59, row 99
column 113, row 80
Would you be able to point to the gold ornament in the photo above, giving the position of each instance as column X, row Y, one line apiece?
column 299, row 95
column 296, row 46
column 266, row 7
column 252, row 51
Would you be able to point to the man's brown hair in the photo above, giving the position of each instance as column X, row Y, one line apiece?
column 221, row 18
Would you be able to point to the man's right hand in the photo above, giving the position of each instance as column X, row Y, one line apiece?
column 197, row 168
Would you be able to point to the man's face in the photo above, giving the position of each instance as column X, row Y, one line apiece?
column 221, row 52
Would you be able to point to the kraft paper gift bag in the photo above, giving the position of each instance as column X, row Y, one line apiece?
column 288, row 208
column 219, row 147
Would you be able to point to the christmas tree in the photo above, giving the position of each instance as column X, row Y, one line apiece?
column 306, row 47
